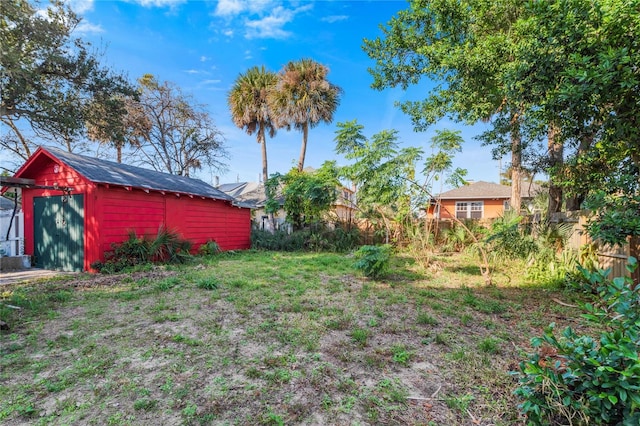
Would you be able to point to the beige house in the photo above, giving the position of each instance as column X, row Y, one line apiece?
column 252, row 195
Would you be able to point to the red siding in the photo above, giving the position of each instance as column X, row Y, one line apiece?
column 204, row 219
column 196, row 219
column 112, row 211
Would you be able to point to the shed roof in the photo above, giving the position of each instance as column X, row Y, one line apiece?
column 483, row 190
column 109, row 172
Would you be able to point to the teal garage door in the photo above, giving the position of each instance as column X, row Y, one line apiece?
column 59, row 232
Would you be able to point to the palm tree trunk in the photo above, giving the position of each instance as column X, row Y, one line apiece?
column 303, row 150
column 262, row 140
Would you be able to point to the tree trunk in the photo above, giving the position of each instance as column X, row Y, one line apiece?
column 303, row 150
column 556, row 161
column 23, row 141
column 574, row 202
column 262, row 140
column 516, row 170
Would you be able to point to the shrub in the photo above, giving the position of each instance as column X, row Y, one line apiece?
column 373, row 261
column 209, row 248
column 279, row 240
column 548, row 268
column 319, row 239
column 165, row 247
column 507, row 237
column 576, row 379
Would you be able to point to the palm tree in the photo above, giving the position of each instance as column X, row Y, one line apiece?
column 303, row 98
column 249, row 107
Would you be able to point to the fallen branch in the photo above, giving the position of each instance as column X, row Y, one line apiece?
column 433, row 395
column 560, row 302
column 12, row 307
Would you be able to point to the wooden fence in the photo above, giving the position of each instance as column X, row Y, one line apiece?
column 609, row 257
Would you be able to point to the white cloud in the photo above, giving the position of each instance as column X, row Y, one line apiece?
column 260, row 18
column 334, row 18
column 197, row 72
column 85, row 27
column 247, row 54
column 204, row 58
column 271, row 26
column 211, row 81
column 81, row 6
column 159, row 3
column 229, row 7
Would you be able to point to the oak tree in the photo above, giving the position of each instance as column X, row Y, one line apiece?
column 50, row 80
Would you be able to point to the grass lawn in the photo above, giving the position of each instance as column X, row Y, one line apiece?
column 272, row 338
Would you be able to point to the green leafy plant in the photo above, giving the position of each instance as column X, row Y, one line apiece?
column 577, row 379
column 208, row 283
column 165, row 247
column 307, row 195
column 453, row 239
column 360, row 336
column 401, row 354
column 209, row 248
column 373, row 261
column 280, row 240
column 549, row 268
column 507, row 236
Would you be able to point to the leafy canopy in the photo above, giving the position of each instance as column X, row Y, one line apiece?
column 51, row 82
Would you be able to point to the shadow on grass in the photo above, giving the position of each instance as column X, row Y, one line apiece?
column 468, row 270
column 402, row 270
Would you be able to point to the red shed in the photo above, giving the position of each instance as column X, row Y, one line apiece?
column 77, row 206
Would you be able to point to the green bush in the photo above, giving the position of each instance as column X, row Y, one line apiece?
column 549, row 268
column 509, row 238
column 209, row 248
column 165, row 247
column 373, row 261
column 279, row 240
column 319, row 238
column 576, row 379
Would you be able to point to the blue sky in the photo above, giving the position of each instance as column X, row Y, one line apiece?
column 202, row 46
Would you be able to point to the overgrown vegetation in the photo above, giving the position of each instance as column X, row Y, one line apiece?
column 308, row 196
column 341, row 237
column 165, row 247
column 373, row 261
column 578, row 379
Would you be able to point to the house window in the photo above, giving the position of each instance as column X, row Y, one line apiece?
column 507, row 205
column 469, row 210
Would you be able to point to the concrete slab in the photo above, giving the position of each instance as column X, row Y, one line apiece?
column 26, row 275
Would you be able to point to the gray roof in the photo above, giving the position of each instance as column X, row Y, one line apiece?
column 109, row 172
column 483, row 190
column 7, row 203
column 250, row 193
